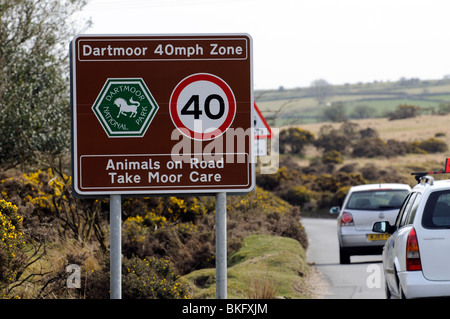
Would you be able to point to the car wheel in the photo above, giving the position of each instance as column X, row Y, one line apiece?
column 344, row 256
column 386, row 289
column 400, row 292
column 400, row 295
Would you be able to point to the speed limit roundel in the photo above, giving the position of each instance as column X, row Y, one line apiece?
column 202, row 106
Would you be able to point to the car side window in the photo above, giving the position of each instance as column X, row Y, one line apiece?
column 436, row 213
column 404, row 210
column 414, row 206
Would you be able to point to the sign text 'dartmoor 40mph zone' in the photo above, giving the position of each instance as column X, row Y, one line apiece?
column 162, row 114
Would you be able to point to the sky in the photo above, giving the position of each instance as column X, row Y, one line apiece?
column 296, row 42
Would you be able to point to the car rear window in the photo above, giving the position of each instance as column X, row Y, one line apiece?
column 436, row 214
column 381, row 199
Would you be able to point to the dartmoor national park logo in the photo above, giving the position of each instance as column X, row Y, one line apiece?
column 125, row 107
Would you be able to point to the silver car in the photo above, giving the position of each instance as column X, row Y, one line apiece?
column 364, row 205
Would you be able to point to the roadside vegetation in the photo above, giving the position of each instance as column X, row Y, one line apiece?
column 168, row 242
column 45, row 229
column 266, row 267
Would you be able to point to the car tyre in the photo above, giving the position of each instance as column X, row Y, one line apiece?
column 388, row 292
column 344, row 256
column 400, row 292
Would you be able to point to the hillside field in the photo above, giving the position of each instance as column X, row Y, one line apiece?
column 300, row 105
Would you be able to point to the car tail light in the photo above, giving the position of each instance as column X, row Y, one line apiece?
column 346, row 219
column 412, row 252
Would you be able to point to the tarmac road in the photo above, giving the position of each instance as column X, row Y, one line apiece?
column 362, row 279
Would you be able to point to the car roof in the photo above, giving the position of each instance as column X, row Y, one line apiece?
column 379, row 186
column 435, row 185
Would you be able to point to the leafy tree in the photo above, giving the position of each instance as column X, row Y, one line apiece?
column 403, row 111
column 336, row 112
column 34, row 89
column 444, row 108
column 321, row 90
column 363, row 112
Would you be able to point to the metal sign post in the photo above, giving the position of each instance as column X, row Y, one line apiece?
column 221, row 246
column 115, row 235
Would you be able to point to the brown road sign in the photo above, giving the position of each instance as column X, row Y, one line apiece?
column 162, row 114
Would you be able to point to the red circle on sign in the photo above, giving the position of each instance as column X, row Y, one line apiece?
column 229, row 117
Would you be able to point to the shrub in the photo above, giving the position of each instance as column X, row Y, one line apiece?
column 187, row 246
column 370, row 147
column 433, row 145
column 190, row 245
column 403, row 111
column 297, row 195
column 374, row 174
column 444, row 108
column 396, row 148
column 332, row 139
column 294, row 139
column 282, row 176
column 12, row 256
column 363, row 112
column 49, row 209
column 338, row 139
column 148, row 278
column 332, row 157
column 337, row 112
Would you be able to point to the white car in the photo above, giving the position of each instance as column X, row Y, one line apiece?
column 364, row 205
column 416, row 257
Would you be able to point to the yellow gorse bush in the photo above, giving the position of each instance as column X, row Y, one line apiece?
column 11, row 244
column 10, row 224
column 152, row 278
column 262, row 200
column 44, row 199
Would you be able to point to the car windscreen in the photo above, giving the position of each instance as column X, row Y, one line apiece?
column 381, row 199
column 436, row 214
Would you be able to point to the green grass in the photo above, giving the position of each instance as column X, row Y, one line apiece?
column 265, row 267
column 298, row 106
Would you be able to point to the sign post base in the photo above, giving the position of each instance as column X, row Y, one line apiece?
column 115, row 225
column 221, row 245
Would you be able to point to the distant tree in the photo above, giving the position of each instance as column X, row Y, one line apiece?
column 337, row 112
column 363, row 112
column 321, row 90
column 34, row 87
column 403, row 111
column 444, row 108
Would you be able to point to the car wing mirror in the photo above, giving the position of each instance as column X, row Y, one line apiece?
column 335, row 210
column 383, row 227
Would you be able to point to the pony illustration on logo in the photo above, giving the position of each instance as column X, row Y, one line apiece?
column 124, row 107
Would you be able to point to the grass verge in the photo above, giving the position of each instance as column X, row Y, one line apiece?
column 266, row 267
